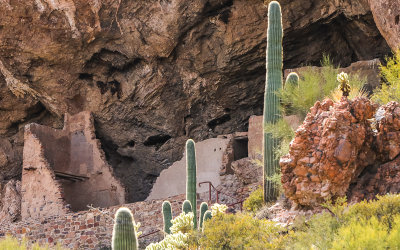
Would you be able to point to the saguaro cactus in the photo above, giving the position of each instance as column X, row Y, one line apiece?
column 292, row 79
column 207, row 216
column 191, row 177
column 167, row 216
column 187, row 207
column 203, row 209
column 124, row 235
column 271, row 100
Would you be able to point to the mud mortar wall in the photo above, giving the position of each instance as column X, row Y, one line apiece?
column 91, row 229
column 72, row 151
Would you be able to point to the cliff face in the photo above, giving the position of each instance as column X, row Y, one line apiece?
column 157, row 72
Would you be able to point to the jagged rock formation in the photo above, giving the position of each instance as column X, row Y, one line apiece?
column 387, row 19
column 336, row 152
column 157, row 72
column 329, row 151
column 10, row 201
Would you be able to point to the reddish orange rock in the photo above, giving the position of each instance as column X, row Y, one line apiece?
column 324, row 158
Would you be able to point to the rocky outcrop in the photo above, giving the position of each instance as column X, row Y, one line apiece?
column 157, row 72
column 10, row 201
column 379, row 180
column 388, row 126
column 338, row 151
column 387, row 17
column 329, row 151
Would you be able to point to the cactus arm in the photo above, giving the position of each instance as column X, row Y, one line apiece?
column 292, row 79
column 203, row 209
column 167, row 216
column 186, row 207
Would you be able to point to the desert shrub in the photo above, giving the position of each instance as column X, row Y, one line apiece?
column 282, row 131
column 255, row 201
column 365, row 225
column 11, row 243
column 240, row 231
column 315, row 84
column 390, row 90
column 363, row 234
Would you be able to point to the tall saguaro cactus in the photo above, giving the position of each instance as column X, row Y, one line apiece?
column 124, row 235
column 191, row 177
column 271, row 100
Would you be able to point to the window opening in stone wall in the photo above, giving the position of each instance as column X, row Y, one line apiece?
column 240, row 149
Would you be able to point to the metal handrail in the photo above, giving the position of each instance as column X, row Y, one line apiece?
column 211, row 186
column 144, row 235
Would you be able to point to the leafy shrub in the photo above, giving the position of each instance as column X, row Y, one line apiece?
column 315, row 84
column 255, row 201
column 367, row 234
column 365, row 225
column 240, row 231
column 390, row 91
column 282, row 131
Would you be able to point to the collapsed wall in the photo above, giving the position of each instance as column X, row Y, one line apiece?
column 65, row 170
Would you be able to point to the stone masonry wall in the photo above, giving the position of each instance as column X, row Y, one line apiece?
column 91, row 229
column 50, row 155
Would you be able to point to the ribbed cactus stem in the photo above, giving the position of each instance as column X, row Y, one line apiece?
column 203, row 210
column 271, row 100
column 186, row 207
column 124, row 235
column 191, row 177
column 207, row 216
column 167, row 216
column 292, row 79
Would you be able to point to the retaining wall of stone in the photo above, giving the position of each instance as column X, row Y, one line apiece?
column 91, row 229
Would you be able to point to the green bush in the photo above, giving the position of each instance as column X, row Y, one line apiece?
column 240, row 231
column 315, row 84
column 365, row 225
column 390, row 91
column 255, row 201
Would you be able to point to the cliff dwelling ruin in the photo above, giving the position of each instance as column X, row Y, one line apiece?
column 65, row 170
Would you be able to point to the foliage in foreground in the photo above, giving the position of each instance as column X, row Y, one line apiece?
column 366, row 225
column 10, row 243
column 315, row 84
column 240, row 231
column 255, row 201
column 390, row 91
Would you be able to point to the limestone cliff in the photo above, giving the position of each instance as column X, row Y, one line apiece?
column 157, row 72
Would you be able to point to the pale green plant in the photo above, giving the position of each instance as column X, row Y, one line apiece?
column 390, row 90
column 182, row 223
column 171, row 241
column 218, row 209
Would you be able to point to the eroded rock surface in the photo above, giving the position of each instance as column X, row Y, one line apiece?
column 387, row 17
column 10, row 201
column 157, row 72
column 329, row 151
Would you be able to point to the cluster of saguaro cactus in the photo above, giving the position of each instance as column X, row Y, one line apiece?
column 189, row 205
column 271, row 101
column 124, row 235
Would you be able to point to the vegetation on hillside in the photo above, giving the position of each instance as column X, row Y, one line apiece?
column 390, row 90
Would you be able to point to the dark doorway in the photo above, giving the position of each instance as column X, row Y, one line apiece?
column 240, row 150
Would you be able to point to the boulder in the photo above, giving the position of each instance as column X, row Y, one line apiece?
column 387, row 18
column 329, row 151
